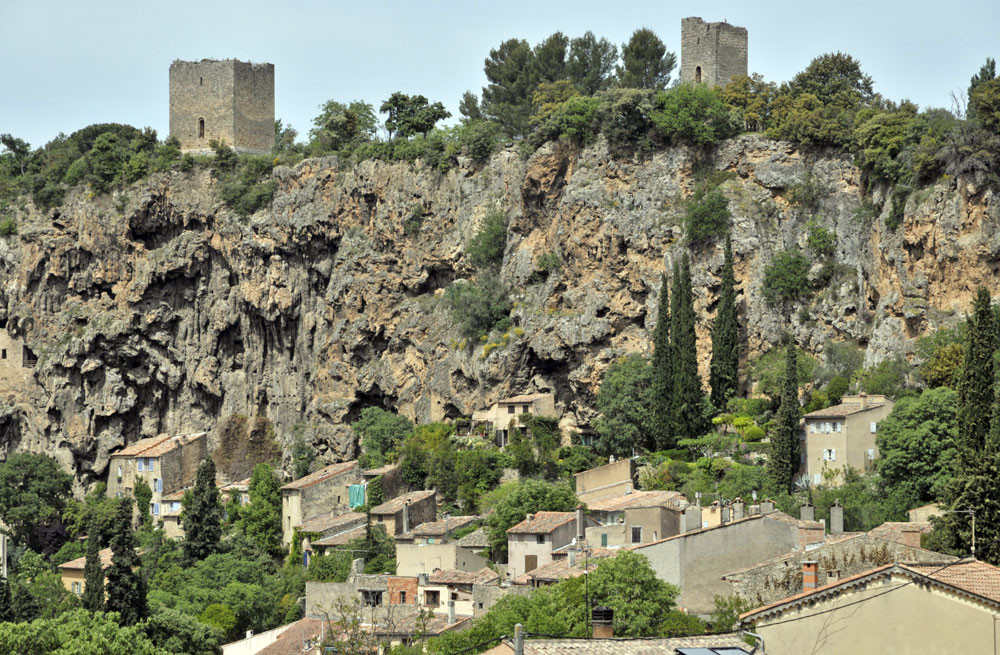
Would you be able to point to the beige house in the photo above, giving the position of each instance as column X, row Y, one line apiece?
column 170, row 514
column 166, row 463
column 497, row 419
column 636, row 518
column 442, row 586
column 842, row 436
column 318, row 493
column 404, row 512
column 72, row 571
column 429, row 547
column 614, row 479
column 327, row 532
column 939, row 607
column 531, row 542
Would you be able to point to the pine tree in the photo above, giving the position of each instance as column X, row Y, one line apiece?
column 93, row 572
column 662, row 372
column 126, row 588
column 785, row 447
column 687, row 405
column 202, row 515
column 724, row 367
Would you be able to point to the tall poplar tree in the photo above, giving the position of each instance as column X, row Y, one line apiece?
column 724, row 369
column 662, row 372
column 93, row 572
column 785, row 446
column 975, row 389
column 687, row 406
column 202, row 515
column 126, row 588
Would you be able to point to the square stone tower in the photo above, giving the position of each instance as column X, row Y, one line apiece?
column 230, row 101
column 712, row 53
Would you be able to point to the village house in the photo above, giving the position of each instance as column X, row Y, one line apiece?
column 930, row 607
column 170, row 514
column 326, row 532
column 405, row 512
column 72, row 575
column 612, row 480
column 430, row 547
column 636, row 518
column 438, row 588
column 531, row 542
column 842, row 436
column 167, row 464
column 317, row 493
column 504, row 415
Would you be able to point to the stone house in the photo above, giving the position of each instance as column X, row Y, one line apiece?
column 842, row 436
column 933, row 607
column 636, row 518
column 430, row 547
column 170, row 514
column 404, row 512
column 317, row 530
column 531, row 542
column 452, row 591
column 497, row 419
column 696, row 561
column 72, row 575
column 318, row 493
column 611, row 480
column 167, row 464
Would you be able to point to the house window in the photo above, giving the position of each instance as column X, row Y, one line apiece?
column 119, row 472
column 871, row 453
column 371, row 598
column 201, row 81
column 201, row 128
column 540, row 539
column 524, row 409
column 151, row 463
column 604, row 540
column 511, row 409
column 874, row 427
column 155, row 507
column 402, row 597
column 836, row 426
column 77, row 588
column 3, row 354
column 140, row 464
column 158, row 484
column 812, row 427
column 175, row 506
column 816, row 478
column 636, row 534
column 432, row 598
column 830, row 454
column 697, row 74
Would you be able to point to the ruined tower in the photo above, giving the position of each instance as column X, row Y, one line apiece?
column 230, row 101
column 712, row 53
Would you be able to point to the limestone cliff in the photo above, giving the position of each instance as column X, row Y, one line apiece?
column 159, row 310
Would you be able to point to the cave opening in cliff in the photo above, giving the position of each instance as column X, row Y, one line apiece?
column 374, row 397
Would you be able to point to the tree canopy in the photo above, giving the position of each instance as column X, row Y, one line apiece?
column 33, row 495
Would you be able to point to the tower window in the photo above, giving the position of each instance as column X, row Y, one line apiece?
column 697, row 73
column 201, row 121
column 201, row 80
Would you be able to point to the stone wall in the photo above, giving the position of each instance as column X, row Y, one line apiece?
column 253, row 107
column 712, row 53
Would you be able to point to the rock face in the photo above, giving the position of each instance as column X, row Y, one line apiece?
column 159, row 310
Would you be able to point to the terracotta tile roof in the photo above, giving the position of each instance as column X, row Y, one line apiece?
column 482, row 576
column 413, row 622
column 774, row 516
column 165, row 447
column 80, row 562
column 628, row 646
column 141, row 446
column 332, row 521
column 290, row 641
column 977, row 579
column 526, row 398
column 341, row 538
column 396, row 504
column 321, row 475
column 382, row 470
column 542, row 522
column 242, row 485
column 894, row 530
column 842, row 410
column 439, row 528
column 637, row 499
column 476, row 539
column 560, row 568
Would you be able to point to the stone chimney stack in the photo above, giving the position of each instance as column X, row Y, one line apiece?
column 602, row 618
column 571, row 557
column 739, row 509
column 836, row 518
column 863, row 400
column 807, row 512
column 766, row 506
column 723, row 514
column 581, row 524
column 451, row 611
column 406, row 517
column 692, row 518
column 810, row 575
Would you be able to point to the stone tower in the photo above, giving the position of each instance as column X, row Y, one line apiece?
column 230, row 101
column 712, row 53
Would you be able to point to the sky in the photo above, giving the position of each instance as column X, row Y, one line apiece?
column 67, row 64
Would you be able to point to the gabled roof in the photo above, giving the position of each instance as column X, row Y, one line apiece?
column 141, row 446
column 894, row 530
column 321, row 475
column 290, row 641
column 542, row 522
column 484, row 575
column 397, row 503
column 671, row 499
column 560, row 569
column 439, row 528
column 526, row 398
column 476, row 539
column 80, row 562
column 774, row 516
column 157, row 446
column 842, row 410
column 331, row 521
column 974, row 579
column 242, row 485
column 341, row 538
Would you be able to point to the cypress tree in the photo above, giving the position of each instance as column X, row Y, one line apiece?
column 662, row 372
column 723, row 375
column 6, row 602
column 975, row 389
column 126, row 588
column 687, row 406
column 785, row 447
column 93, row 572
column 202, row 515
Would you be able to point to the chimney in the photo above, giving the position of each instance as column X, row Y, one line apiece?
column 739, row 509
column 863, row 401
column 724, row 514
column 602, row 618
column 692, row 518
column 807, row 512
column 358, row 566
column 529, row 517
column 766, row 506
column 836, row 518
column 518, row 639
column 406, row 517
column 451, row 611
column 581, row 525
column 810, row 575
column 571, row 557
column 832, row 576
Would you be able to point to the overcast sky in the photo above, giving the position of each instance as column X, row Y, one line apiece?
column 68, row 64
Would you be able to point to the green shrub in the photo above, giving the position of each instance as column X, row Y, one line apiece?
column 412, row 223
column 478, row 139
column 8, row 226
column 478, row 308
column 693, row 114
column 786, row 278
column 821, row 241
column 549, row 262
column 486, row 248
column 706, row 217
column 898, row 206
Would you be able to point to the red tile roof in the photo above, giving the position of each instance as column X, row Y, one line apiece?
column 526, row 398
column 321, row 475
column 439, row 528
column 341, row 538
column 331, row 521
column 141, row 446
column 290, row 641
column 543, row 522
column 80, row 562
column 396, row 504
column 842, row 410
column 482, row 576
column 637, row 499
